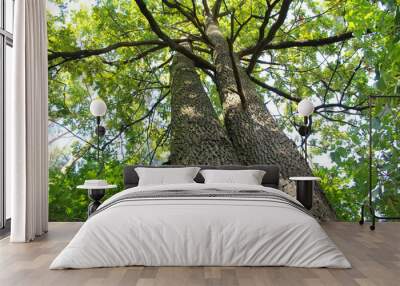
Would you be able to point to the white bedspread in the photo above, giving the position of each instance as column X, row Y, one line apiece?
column 200, row 231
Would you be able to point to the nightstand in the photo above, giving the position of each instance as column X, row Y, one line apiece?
column 304, row 190
column 95, row 193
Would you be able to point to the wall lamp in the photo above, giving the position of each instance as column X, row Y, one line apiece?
column 305, row 109
column 98, row 108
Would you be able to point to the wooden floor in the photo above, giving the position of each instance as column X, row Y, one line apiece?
column 375, row 257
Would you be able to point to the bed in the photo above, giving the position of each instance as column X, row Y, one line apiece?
column 198, row 224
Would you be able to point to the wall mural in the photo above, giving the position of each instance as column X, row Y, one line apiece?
column 218, row 82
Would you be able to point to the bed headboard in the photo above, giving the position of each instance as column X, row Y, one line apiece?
column 270, row 179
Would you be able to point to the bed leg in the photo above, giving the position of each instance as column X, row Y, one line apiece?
column 361, row 222
column 373, row 216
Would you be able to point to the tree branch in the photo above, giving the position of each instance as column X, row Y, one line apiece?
column 342, row 106
column 128, row 125
column 135, row 58
column 275, row 90
column 267, row 17
column 190, row 16
column 159, row 143
column 61, row 135
column 306, row 43
column 328, row 87
column 206, row 8
column 199, row 61
column 260, row 46
column 351, row 79
column 334, row 119
column 72, row 132
column 241, row 26
column 79, row 54
column 75, row 158
column 215, row 9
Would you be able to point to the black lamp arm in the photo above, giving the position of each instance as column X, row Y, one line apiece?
column 305, row 130
column 309, row 124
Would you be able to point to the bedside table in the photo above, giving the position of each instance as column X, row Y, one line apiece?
column 304, row 190
column 95, row 193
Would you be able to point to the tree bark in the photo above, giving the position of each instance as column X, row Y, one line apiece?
column 197, row 136
column 254, row 133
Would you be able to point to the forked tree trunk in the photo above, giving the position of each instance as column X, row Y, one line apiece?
column 254, row 133
column 197, row 136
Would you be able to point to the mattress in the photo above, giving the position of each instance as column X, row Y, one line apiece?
column 201, row 225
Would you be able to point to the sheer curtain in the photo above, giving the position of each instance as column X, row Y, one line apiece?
column 27, row 124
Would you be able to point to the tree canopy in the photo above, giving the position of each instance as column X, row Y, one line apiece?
column 337, row 53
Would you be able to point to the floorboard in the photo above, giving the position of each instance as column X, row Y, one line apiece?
column 375, row 257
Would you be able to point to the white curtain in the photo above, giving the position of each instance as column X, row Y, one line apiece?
column 27, row 124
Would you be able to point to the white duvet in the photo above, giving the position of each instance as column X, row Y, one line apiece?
column 200, row 231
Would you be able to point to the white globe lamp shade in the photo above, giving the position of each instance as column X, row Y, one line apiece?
column 98, row 107
column 305, row 107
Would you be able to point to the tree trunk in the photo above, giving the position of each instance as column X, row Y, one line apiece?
column 197, row 136
column 254, row 133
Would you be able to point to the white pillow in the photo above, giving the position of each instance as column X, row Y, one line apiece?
column 166, row 176
column 248, row 177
